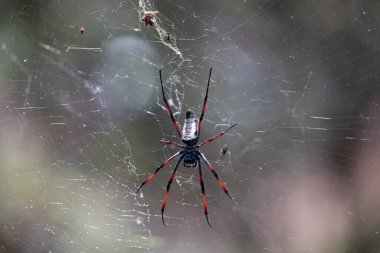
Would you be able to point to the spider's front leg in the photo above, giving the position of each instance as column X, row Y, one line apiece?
column 175, row 124
column 204, row 104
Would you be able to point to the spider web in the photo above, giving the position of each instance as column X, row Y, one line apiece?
column 82, row 115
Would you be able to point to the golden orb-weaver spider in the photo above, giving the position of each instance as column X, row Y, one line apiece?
column 189, row 151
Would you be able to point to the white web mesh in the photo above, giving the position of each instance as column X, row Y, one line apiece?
column 81, row 116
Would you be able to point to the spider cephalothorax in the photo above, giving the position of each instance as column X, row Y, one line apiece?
column 190, row 156
column 189, row 152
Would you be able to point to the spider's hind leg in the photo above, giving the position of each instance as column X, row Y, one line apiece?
column 168, row 188
column 203, row 192
column 215, row 175
column 158, row 169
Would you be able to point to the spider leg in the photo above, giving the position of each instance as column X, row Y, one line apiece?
column 215, row 174
column 204, row 105
column 158, row 168
column 169, row 109
column 203, row 192
column 168, row 188
column 216, row 137
column 172, row 143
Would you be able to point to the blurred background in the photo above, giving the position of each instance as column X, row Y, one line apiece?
column 81, row 117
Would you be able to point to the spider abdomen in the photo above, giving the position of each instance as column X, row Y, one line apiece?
column 190, row 129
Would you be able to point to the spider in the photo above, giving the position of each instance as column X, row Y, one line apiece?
column 223, row 152
column 189, row 152
column 168, row 36
column 148, row 18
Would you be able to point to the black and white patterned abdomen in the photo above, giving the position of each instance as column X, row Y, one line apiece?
column 190, row 128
